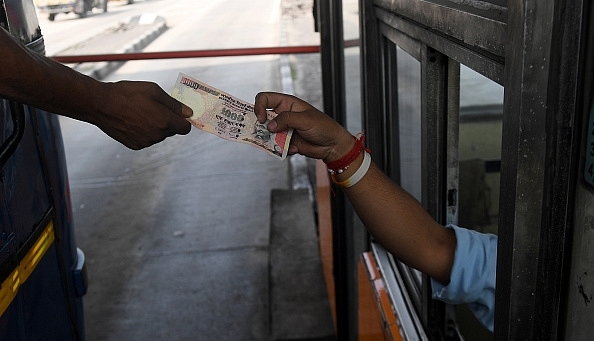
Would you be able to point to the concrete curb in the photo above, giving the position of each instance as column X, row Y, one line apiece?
column 144, row 39
column 101, row 70
column 298, row 165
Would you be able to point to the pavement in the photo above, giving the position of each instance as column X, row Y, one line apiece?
column 297, row 298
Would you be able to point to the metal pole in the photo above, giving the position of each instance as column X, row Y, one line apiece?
column 333, row 85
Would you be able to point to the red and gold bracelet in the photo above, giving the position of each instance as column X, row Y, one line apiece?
column 342, row 164
column 358, row 175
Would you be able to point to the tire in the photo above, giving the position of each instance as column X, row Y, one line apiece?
column 52, row 17
column 85, row 10
column 105, row 6
column 82, row 7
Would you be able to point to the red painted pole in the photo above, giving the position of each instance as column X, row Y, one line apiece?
column 70, row 59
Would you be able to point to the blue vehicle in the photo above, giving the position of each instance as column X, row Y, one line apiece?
column 42, row 272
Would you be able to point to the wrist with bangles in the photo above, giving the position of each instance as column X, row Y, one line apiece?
column 341, row 165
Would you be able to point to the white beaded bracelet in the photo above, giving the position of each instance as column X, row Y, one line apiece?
column 358, row 175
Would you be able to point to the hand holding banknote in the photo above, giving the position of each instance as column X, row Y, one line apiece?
column 228, row 117
column 316, row 135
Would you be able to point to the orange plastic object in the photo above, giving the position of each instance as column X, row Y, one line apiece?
column 377, row 321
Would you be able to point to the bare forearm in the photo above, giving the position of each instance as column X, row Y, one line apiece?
column 402, row 226
column 137, row 114
column 33, row 79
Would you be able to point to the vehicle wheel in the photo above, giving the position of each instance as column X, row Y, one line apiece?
column 52, row 17
column 105, row 6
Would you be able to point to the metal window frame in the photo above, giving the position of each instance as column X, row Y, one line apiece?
column 539, row 157
column 330, row 24
column 532, row 48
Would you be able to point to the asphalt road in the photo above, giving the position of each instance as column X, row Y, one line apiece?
column 176, row 235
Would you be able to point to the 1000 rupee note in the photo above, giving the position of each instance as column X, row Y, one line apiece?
column 230, row 118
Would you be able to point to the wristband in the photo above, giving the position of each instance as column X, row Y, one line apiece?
column 358, row 175
column 342, row 164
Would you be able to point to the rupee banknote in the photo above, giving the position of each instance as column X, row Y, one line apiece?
column 228, row 117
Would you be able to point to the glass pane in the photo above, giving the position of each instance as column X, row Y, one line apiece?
column 350, row 16
column 409, row 121
column 481, row 112
column 409, row 118
column 350, row 10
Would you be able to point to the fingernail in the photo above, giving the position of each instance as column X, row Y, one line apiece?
column 187, row 111
column 272, row 125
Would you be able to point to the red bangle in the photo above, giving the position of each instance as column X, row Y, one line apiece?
column 342, row 164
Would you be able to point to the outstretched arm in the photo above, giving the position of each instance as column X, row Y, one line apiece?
column 137, row 114
column 390, row 214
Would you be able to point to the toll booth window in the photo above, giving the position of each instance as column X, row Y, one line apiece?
column 446, row 151
column 481, row 113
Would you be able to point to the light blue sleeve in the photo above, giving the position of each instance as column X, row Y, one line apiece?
column 472, row 280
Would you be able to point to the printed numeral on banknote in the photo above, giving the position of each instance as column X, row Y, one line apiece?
column 228, row 117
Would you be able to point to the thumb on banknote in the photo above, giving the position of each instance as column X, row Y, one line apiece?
column 187, row 112
column 272, row 125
